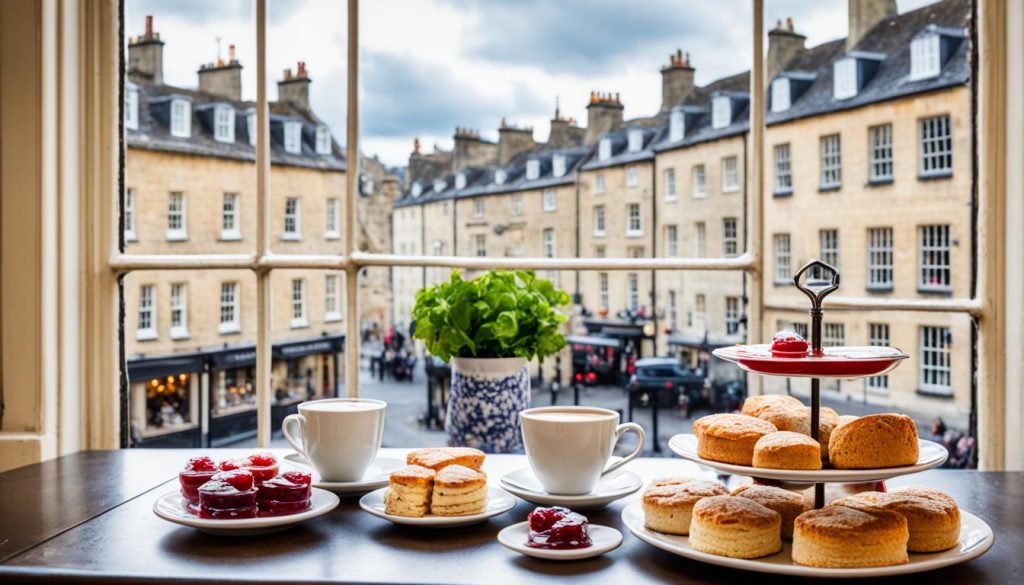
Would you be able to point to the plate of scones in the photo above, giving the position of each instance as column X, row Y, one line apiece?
column 773, row 530
column 770, row 438
column 440, row 487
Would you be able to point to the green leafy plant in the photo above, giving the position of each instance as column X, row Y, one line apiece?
column 498, row 314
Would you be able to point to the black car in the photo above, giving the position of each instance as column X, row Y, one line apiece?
column 668, row 382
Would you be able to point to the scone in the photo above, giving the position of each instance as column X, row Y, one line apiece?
column 786, row 417
column 787, row 450
column 788, row 504
column 933, row 517
column 729, row 438
column 437, row 458
column 873, row 441
column 753, row 405
column 840, row 536
column 668, row 502
column 409, row 491
column 459, row 491
column 740, row 528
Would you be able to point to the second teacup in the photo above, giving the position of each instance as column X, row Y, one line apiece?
column 339, row 437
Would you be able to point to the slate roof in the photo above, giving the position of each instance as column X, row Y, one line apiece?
column 621, row 154
column 154, row 129
column 698, row 105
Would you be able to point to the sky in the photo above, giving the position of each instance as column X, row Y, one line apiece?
column 427, row 66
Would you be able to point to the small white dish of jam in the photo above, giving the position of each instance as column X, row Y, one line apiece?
column 559, row 534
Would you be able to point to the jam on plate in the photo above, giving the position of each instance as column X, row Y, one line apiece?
column 789, row 344
column 557, row 528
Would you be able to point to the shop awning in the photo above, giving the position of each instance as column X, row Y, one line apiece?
column 700, row 341
column 593, row 340
column 294, row 349
column 159, row 367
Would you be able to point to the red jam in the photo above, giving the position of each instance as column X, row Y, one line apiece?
column 789, row 344
column 558, row 528
column 228, row 495
column 287, row 493
column 262, row 465
column 197, row 471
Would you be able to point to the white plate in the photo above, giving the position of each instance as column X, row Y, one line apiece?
column 375, row 477
column 604, row 539
column 523, row 483
column 169, row 507
column 931, row 455
column 498, row 502
column 975, row 539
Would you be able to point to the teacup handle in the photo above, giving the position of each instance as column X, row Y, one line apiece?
column 296, row 441
column 619, row 431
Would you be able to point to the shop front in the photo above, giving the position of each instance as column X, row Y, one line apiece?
column 164, row 400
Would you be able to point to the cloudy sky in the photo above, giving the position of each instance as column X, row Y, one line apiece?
column 430, row 65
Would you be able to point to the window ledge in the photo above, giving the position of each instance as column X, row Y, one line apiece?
column 634, row 234
column 829, row 188
column 671, row 198
column 730, row 189
column 939, row 292
column 230, row 237
column 130, row 237
column 179, row 333
column 551, row 210
column 299, row 323
column 146, row 335
column 228, row 328
column 935, row 176
column 787, row 282
column 700, row 195
column 332, row 317
column 935, row 392
column 176, row 236
column 782, row 193
column 291, row 237
column 879, row 182
column 332, row 235
column 600, row 234
column 879, row 288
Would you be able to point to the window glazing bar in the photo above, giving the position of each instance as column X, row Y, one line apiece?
column 352, row 204
column 263, row 285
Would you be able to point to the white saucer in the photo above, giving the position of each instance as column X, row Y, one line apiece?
column 170, row 507
column 930, row 455
column 975, row 539
column 523, row 483
column 375, row 477
column 603, row 537
column 498, row 502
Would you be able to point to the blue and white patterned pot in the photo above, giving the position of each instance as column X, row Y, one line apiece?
column 484, row 403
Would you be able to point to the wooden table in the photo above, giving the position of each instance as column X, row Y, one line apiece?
column 87, row 518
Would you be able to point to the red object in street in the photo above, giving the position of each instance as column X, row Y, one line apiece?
column 835, row 362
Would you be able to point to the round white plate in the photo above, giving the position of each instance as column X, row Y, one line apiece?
column 931, row 455
column 375, row 477
column 169, row 507
column 498, row 502
column 523, row 483
column 604, row 539
column 975, row 539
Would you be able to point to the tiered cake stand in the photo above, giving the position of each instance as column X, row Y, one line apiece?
column 831, row 363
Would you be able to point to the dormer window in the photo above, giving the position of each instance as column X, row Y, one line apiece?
column 323, row 140
column 925, row 57
column 224, row 124
column 636, row 140
column 250, row 126
column 181, row 118
column 780, row 95
column 558, row 165
column 460, row 181
column 721, row 111
column 293, row 137
column 499, row 177
column 532, row 169
column 604, row 149
column 844, row 78
column 676, row 125
column 131, row 106
column 416, row 189
column 440, row 185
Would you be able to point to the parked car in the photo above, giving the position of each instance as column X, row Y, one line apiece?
column 668, row 382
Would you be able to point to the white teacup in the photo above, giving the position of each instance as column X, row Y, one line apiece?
column 339, row 437
column 568, row 447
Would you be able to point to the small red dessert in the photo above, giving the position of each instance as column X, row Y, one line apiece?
column 789, row 344
column 228, row 495
column 263, row 466
column 197, row 471
column 287, row 493
column 558, row 528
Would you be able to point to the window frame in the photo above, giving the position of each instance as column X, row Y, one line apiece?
column 332, row 296
column 699, row 181
column 783, row 269
column 634, row 221
column 600, row 221
column 934, row 148
column 880, row 243
column 670, row 185
column 831, row 162
column 549, row 197
column 880, row 154
column 291, row 137
column 180, row 233
column 129, row 216
column 299, row 304
column 730, row 174
column 932, row 240
column 940, row 363
column 783, row 164
column 147, row 291
column 234, row 304
column 233, row 233
column 180, row 331
column 223, row 129
column 332, row 221
column 294, row 233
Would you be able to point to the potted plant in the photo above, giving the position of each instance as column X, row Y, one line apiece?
column 488, row 329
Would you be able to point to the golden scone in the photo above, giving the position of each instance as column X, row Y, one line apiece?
column 788, row 504
column 459, row 491
column 729, row 438
column 840, row 536
column 755, row 404
column 785, row 417
column 933, row 517
column 409, row 491
column 873, row 441
column 740, row 528
column 668, row 503
column 437, row 458
column 787, row 450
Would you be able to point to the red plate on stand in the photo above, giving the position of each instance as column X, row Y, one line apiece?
column 836, row 362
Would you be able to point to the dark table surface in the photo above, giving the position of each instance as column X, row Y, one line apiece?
column 88, row 518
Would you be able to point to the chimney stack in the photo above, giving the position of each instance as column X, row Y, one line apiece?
column 471, row 150
column 676, row 80
column 604, row 114
column 784, row 45
column 222, row 79
column 295, row 89
column 512, row 140
column 146, row 56
column 864, row 15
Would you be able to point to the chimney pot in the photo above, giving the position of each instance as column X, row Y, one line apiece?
column 146, row 56
column 149, row 26
column 789, row 23
column 231, row 53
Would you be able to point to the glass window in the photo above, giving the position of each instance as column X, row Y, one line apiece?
column 880, row 258
column 934, row 271
column 177, row 223
column 829, row 240
column 599, row 183
column 229, row 309
column 550, row 200
column 293, row 137
column 438, row 248
column 147, row 313
column 700, row 310
column 558, row 165
column 878, row 335
column 460, row 181
column 604, row 149
column 181, row 118
column 229, row 225
column 730, row 175
column 602, row 279
column 480, row 244
column 129, row 215
column 331, row 219
column 701, row 239
column 549, row 243
column 780, row 94
column 636, row 140
column 131, row 106
column 673, row 310
column 532, row 169
column 517, row 205
column 633, row 283
column 224, row 124
column 671, row 241
column 634, row 225
column 632, row 179
column 600, row 252
column 783, row 259
column 844, row 78
column 880, row 152
column 670, row 184
column 292, row 219
column 299, row 303
column 936, row 146
column 924, row 57
column 721, row 111
column 730, row 243
column 323, row 140
column 783, row 175
column 831, row 161
column 676, row 125
column 478, row 208
column 332, row 308
column 500, row 176
column 250, row 126
column 936, row 367
column 833, row 334
column 600, row 227
column 700, row 186
column 179, row 311
column 732, row 315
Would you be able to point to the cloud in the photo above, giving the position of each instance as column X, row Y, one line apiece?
column 207, row 12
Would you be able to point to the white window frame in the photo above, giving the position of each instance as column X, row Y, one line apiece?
column 230, row 217
column 178, row 305
column 673, row 310
column 603, row 290
column 604, row 149
column 332, row 304
column 517, row 204
column 730, row 237
column 733, row 314
column 730, row 174
column 291, row 222
column 532, row 169
column 635, row 140
column 672, row 241
column 145, row 324
column 700, row 230
column 181, row 118
column 299, row 304
column 550, row 197
column 878, row 335
column 780, row 94
column 130, row 216
column 676, row 125
column 783, row 169
column 670, row 185
column 223, row 123
column 550, row 246
column 721, row 111
column 935, row 258
column 935, row 369
column 323, row 140
column 783, row 259
column 700, row 181
column 332, row 218
column 925, row 57
column 131, row 106
column 599, row 184
column 479, row 208
column 880, row 259
column 600, row 222
column 833, row 334
column 831, row 151
column 500, row 176
column 292, row 137
column 177, row 217
column 935, row 146
column 633, row 291
column 250, row 126
column 634, row 221
column 844, row 78
column 558, row 165
column 480, row 245
column 880, row 158
column 632, row 176
column 230, row 308
column 700, row 311
column 460, row 181
column 828, row 239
